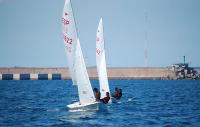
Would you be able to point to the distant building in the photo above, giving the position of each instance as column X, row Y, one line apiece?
column 183, row 71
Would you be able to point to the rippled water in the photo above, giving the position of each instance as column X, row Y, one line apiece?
column 144, row 103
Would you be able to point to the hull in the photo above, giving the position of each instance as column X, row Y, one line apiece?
column 87, row 107
column 77, row 105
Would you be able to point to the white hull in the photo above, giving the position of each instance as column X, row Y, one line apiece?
column 77, row 105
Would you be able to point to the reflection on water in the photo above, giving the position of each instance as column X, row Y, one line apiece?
column 85, row 115
column 78, row 116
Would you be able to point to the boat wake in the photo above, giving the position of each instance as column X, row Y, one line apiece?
column 53, row 110
column 78, row 110
column 130, row 99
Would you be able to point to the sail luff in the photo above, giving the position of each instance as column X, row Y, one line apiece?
column 74, row 22
column 74, row 79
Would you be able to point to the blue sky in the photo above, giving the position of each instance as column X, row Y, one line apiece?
column 30, row 32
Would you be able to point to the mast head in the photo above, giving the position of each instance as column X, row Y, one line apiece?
column 101, row 19
column 67, row 1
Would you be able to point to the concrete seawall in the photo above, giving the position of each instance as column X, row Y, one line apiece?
column 113, row 73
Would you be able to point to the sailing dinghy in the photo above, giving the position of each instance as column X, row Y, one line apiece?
column 76, row 62
column 101, row 61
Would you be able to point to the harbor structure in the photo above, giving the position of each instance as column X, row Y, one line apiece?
column 183, row 71
column 178, row 71
column 63, row 73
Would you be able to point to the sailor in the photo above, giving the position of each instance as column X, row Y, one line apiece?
column 97, row 94
column 106, row 99
column 118, row 93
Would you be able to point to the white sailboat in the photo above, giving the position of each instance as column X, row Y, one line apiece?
column 101, row 61
column 75, row 59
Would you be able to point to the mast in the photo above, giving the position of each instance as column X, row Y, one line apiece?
column 146, row 40
column 74, row 20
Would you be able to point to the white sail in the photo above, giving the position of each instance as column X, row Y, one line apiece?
column 70, row 36
column 75, row 58
column 101, row 61
column 84, row 87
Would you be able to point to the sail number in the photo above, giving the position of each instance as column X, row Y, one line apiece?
column 67, row 40
column 98, row 51
column 97, row 39
column 64, row 21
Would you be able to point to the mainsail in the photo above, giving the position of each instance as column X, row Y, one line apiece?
column 75, row 57
column 101, row 61
column 70, row 37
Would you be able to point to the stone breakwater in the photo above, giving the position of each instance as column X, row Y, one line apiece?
column 63, row 73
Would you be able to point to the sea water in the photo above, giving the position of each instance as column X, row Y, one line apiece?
column 144, row 103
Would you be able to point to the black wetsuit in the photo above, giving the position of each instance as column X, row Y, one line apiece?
column 119, row 95
column 105, row 100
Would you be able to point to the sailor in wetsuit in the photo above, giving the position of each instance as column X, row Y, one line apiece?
column 106, row 99
column 97, row 94
column 118, row 93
